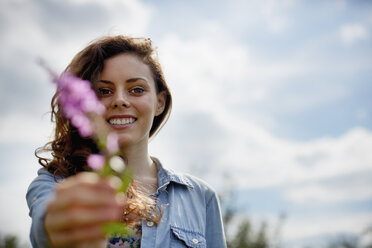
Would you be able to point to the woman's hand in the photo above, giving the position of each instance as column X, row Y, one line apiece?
column 81, row 205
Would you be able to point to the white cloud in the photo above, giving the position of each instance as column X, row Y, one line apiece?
column 25, row 129
column 352, row 33
column 268, row 16
column 216, row 69
column 208, row 78
column 127, row 17
column 19, row 166
column 56, row 30
column 317, row 194
column 275, row 14
column 330, row 223
column 208, row 136
column 14, row 218
column 261, row 160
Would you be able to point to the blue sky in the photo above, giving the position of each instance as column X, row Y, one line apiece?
column 271, row 99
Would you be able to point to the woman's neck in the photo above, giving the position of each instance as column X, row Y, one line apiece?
column 140, row 163
column 145, row 173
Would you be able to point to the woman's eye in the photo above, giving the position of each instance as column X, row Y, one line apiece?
column 104, row 91
column 137, row 90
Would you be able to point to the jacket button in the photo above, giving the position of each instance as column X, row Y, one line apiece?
column 195, row 241
column 150, row 223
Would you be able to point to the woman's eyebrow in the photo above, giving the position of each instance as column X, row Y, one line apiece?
column 105, row 81
column 131, row 80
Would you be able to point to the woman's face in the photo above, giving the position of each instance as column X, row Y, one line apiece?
column 127, row 89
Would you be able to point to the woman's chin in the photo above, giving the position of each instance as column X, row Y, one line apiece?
column 125, row 142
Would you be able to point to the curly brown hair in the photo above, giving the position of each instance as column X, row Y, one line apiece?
column 69, row 151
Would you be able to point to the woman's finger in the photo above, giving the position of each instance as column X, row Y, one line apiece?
column 78, row 217
column 81, row 191
column 77, row 236
column 83, row 196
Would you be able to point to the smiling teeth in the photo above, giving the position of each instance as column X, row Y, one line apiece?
column 121, row 121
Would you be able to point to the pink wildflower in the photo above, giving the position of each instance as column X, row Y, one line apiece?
column 112, row 143
column 96, row 161
column 78, row 98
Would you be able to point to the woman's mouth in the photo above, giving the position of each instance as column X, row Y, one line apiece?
column 121, row 122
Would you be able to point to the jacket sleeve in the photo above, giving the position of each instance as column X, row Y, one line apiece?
column 39, row 193
column 215, row 235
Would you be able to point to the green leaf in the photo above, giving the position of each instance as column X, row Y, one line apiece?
column 106, row 171
column 126, row 179
column 117, row 228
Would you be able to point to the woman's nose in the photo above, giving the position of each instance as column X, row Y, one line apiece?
column 120, row 100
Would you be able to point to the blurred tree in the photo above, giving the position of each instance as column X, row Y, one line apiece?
column 242, row 237
column 245, row 236
column 8, row 241
column 241, row 234
column 352, row 241
column 11, row 241
column 343, row 241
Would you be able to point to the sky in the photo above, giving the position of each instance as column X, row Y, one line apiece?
column 271, row 101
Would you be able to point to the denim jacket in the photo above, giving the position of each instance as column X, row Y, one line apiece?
column 191, row 218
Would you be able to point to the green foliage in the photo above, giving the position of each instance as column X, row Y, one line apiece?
column 245, row 236
column 242, row 237
column 10, row 241
column 344, row 242
column 248, row 236
column 349, row 241
column 116, row 228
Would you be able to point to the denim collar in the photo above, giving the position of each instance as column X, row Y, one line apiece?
column 167, row 176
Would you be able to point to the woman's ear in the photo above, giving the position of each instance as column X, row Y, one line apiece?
column 162, row 97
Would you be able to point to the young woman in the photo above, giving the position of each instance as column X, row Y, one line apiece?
column 68, row 205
